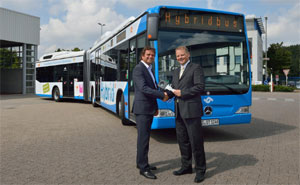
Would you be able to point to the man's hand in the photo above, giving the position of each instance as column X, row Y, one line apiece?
column 166, row 97
column 177, row 92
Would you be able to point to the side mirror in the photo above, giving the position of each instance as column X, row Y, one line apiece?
column 152, row 26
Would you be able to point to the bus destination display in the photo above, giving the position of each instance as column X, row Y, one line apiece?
column 170, row 18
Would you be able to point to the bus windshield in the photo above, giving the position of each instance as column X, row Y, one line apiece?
column 222, row 55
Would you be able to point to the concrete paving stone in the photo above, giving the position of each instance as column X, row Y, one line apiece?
column 43, row 142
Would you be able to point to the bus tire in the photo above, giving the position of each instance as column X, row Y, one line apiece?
column 56, row 95
column 121, row 111
column 93, row 99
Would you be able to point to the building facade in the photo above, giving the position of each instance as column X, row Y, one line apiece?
column 19, row 40
column 255, row 30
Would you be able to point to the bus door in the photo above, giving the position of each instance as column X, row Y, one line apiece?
column 68, row 84
column 98, row 81
column 132, row 64
column 136, row 46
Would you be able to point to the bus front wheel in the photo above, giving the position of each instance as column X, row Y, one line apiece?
column 56, row 94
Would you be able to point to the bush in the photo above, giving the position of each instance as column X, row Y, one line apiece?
column 261, row 88
column 277, row 88
column 281, row 88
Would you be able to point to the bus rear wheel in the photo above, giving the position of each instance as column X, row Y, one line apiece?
column 121, row 111
column 56, row 94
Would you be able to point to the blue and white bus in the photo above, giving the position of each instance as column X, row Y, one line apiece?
column 217, row 40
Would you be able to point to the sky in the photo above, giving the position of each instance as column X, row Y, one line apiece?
column 74, row 23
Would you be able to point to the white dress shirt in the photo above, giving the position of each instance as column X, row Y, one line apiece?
column 149, row 68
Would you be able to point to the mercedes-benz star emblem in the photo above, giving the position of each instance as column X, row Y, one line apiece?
column 208, row 110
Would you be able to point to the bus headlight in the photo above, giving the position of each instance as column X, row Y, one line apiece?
column 165, row 113
column 243, row 110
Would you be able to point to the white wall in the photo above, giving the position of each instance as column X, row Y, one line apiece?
column 19, row 27
column 257, row 58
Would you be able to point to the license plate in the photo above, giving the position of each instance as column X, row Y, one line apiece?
column 209, row 122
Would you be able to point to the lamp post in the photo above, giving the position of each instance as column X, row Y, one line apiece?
column 101, row 24
column 266, row 48
column 267, row 59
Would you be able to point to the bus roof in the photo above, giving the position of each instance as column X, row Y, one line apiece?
column 156, row 9
column 103, row 38
column 60, row 55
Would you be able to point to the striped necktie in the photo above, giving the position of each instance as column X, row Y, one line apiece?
column 152, row 76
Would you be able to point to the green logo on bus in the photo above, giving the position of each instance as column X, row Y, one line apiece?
column 46, row 88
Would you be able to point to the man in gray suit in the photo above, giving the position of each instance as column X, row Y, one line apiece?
column 188, row 84
column 145, row 107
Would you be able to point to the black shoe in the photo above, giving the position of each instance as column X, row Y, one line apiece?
column 199, row 177
column 150, row 167
column 183, row 171
column 148, row 174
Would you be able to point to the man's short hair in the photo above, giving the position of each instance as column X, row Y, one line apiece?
column 145, row 49
column 182, row 48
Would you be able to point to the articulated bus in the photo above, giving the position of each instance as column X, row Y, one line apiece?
column 217, row 40
column 62, row 75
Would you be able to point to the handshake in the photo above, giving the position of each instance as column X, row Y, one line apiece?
column 170, row 92
column 166, row 97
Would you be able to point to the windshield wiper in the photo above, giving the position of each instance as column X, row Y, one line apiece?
column 228, row 87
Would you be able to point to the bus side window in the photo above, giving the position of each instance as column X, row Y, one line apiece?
column 141, row 43
column 123, row 61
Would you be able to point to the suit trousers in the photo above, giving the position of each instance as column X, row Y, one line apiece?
column 143, row 123
column 190, row 139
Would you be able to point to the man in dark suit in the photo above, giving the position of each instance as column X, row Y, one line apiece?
column 188, row 84
column 145, row 107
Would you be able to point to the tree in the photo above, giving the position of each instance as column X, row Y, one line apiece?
column 9, row 59
column 76, row 49
column 280, row 58
column 295, row 63
column 58, row 50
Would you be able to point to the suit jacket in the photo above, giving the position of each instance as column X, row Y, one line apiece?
column 145, row 92
column 191, row 85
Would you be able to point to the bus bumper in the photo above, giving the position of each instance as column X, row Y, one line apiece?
column 45, row 95
column 169, row 122
column 230, row 120
column 161, row 123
